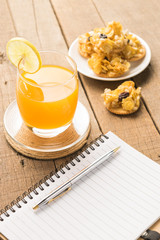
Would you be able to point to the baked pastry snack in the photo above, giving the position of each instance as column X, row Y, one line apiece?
column 108, row 40
column 113, row 44
column 123, row 100
column 134, row 50
column 84, row 45
column 105, row 67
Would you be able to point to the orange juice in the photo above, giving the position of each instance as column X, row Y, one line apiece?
column 48, row 98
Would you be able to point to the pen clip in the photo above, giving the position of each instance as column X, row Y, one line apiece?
column 61, row 194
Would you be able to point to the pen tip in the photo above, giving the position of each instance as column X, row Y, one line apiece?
column 35, row 207
column 116, row 149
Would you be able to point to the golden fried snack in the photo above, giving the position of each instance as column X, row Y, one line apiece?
column 123, row 100
column 102, row 44
column 84, row 45
column 108, row 68
column 134, row 50
column 113, row 29
column 109, row 40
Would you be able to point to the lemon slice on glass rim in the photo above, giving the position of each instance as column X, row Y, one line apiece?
column 19, row 48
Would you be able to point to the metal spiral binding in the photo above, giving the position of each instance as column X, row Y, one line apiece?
column 63, row 169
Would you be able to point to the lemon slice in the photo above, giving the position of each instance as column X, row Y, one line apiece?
column 18, row 49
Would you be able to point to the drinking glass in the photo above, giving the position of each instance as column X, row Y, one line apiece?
column 47, row 99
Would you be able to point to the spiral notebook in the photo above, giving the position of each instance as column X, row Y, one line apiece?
column 120, row 199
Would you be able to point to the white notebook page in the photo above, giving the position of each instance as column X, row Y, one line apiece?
column 118, row 200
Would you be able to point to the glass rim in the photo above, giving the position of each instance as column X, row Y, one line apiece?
column 39, row 85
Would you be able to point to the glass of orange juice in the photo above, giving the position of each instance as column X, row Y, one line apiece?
column 47, row 99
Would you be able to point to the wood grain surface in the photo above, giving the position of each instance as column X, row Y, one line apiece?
column 54, row 24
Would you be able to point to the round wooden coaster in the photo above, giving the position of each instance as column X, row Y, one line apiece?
column 23, row 140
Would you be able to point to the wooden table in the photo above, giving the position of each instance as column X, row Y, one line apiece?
column 54, row 24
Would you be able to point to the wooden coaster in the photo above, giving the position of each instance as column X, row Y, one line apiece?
column 23, row 140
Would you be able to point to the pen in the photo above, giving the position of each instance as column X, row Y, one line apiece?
column 62, row 189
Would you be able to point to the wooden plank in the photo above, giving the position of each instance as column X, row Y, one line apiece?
column 11, row 170
column 17, row 172
column 137, row 129
column 40, row 27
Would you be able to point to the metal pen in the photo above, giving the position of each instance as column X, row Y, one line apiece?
column 62, row 189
